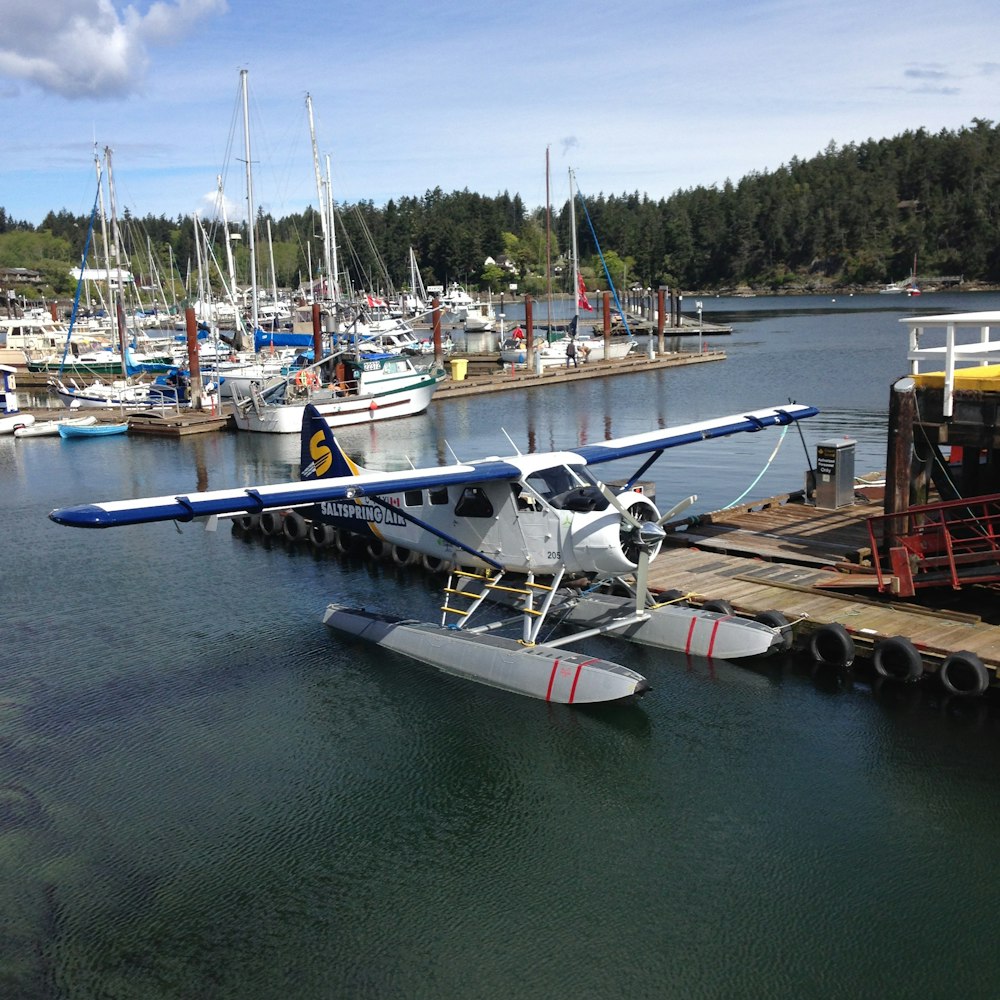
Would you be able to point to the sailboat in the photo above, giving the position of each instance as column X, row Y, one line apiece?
column 588, row 347
column 913, row 288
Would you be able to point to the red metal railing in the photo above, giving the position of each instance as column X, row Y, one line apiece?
column 952, row 543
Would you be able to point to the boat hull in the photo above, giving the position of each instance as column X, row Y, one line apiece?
column 11, row 422
column 50, row 428
column 286, row 418
column 91, row 431
column 547, row 673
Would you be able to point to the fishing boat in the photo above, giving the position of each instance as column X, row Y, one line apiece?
column 50, row 428
column 91, row 430
column 364, row 389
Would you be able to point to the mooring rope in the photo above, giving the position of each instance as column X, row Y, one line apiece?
column 760, row 475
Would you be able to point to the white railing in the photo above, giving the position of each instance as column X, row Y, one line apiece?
column 967, row 342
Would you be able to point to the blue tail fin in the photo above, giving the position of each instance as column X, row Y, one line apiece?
column 322, row 457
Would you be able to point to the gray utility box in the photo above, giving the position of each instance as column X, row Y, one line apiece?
column 835, row 473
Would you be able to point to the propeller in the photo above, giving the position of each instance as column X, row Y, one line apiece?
column 641, row 535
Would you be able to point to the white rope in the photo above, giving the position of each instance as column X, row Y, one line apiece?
column 760, row 475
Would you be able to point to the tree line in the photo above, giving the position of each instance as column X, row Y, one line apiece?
column 853, row 215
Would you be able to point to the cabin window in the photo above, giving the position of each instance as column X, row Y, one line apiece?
column 473, row 503
column 568, row 489
column 438, row 495
column 412, row 498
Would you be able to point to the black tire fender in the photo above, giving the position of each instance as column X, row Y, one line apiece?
column 294, row 526
column 897, row 659
column 777, row 621
column 720, row 606
column 270, row 522
column 321, row 535
column 832, row 644
column 963, row 674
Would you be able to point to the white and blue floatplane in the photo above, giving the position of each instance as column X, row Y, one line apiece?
column 514, row 532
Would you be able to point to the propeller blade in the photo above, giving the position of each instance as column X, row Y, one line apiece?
column 677, row 508
column 641, row 579
column 612, row 499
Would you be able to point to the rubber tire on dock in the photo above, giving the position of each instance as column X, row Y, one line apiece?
column 897, row 659
column 247, row 522
column 434, row 565
column 670, row 597
column 776, row 620
column 270, row 522
column 722, row 607
column 377, row 549
column 295, row 527
column 832, row 644
column 402, row 556
column 322, row 535
column 964, row 674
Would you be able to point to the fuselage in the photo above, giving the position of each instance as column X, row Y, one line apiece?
column 554, row 517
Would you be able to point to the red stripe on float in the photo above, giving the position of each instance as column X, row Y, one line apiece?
column 687, row 645
column 580, row 666
column 552, row 679
column 715, row 629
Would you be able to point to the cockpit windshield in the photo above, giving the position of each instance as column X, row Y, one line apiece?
column 567, row 488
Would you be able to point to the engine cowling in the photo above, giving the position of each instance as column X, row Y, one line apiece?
column 605, row 542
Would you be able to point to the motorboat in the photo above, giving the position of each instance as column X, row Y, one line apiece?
column 365, row 388
column 50, row 428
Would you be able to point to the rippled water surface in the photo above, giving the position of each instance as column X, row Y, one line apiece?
column 204, row 794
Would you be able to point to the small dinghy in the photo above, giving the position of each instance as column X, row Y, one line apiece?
column 50, row 428
column 91, row 430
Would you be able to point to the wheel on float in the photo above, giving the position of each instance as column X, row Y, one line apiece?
column 964, row 674
column 295, row 527
column 832, row 644
column 777, row 621
column 722, row 607
column 897, row 659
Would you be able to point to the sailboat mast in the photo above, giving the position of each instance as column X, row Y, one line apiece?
column 323, row 223
column 332, row 236
column 251, row 242
column 104, row 233
column 572, row 243
column 548, row 252
column 116, row 253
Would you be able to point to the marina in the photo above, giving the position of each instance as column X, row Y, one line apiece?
column 219, row 787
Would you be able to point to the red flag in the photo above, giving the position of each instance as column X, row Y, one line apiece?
column 581, row 294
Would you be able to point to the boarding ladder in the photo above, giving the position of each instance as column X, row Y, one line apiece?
column 949, row 544
column 462, row 600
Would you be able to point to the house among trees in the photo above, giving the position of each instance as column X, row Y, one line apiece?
column 11, row 276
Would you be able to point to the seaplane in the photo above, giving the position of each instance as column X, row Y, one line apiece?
column 538, row 536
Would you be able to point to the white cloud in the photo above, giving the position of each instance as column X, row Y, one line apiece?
column 87, row 48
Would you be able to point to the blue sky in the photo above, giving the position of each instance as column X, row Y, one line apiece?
column 652, row 96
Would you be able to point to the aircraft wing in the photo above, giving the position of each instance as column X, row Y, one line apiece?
column 254, row 500
column 703, row 430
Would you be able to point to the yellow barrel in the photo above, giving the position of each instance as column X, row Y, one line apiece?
column 459, row 366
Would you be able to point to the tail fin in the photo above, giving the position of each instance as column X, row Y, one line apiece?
column 322, row 457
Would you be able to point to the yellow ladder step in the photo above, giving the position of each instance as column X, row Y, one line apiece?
column 454, row 611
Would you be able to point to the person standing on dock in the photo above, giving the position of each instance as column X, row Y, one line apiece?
column 571, row 353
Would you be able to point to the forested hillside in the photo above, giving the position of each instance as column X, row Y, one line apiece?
column 853, row 215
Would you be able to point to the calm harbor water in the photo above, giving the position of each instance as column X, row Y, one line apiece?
column 204, row 794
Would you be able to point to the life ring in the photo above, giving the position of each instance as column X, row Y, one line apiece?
column 270, row 522
column 719, row 606
column 247, row 522
column 322, row 535
column 402, row 556
column 310, row 379
column 295, row 527
column 964, row 674
column 777, row 621
column 897, row 659
column 832, row 644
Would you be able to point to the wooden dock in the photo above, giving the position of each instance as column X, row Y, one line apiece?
column 814, row 567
